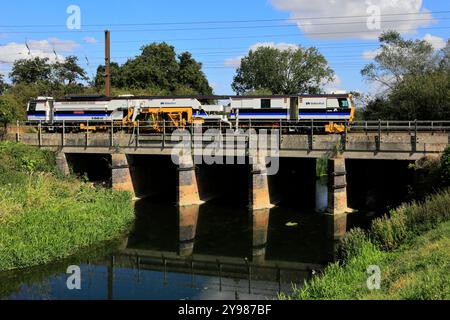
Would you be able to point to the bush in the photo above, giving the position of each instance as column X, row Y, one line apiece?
column 352, row 244
column 405, row 222
column 445, row 167
column 20, row 157
column 402, row 224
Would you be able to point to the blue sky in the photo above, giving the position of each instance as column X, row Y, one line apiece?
column 222, row 36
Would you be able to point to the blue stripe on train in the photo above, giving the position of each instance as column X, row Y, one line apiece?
column 81, row 115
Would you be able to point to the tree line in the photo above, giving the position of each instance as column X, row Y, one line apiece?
column 412, row 77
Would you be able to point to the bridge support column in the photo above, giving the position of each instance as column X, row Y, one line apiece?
column 121, row 173
column 62, row 164
column 259, row 197
column 187, row 227
column 187, row 188
column 260, row 226
column 337, row 197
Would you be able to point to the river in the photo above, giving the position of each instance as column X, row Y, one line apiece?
column 212, row 251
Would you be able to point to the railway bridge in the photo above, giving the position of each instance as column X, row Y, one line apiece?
column 376, row 140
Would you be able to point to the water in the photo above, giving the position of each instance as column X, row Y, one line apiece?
column 213, row 251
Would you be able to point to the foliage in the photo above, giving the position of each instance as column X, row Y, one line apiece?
column 445, row 167
column 159, row 70
column 321, row 167
column 42, row 70
column 352, row 243
column 391, row 243
column 31, row 70
column 425, row 97
column 397, row 58
column 9, row 110
column 69, row 72
column 417, row 79
column 292, row 71
column 407, row 221
column 44, row 217
column 3, row 85
column 419, row 269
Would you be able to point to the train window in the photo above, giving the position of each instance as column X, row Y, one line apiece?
column 265, row 103
column 343, row 103
column 32, row 107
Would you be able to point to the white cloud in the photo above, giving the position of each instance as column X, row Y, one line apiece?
column 236, row 61
column 90, row 40
column 280, row 46
column 307, row 12
column 233, row 62
column 436, row 42
column 370, row 54
column 38, row 48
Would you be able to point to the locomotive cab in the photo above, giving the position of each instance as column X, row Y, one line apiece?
column 40, row 110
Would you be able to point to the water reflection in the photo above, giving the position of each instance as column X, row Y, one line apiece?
column 197, row 252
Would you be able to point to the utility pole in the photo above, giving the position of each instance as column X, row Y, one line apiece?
column 107, row 63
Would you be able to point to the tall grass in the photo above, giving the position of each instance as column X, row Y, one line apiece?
column 45, row 217
column 390, row 243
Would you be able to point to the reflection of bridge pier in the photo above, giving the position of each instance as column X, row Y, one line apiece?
column 187, row 227
column 260, row 226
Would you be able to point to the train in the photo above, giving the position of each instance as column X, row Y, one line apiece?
column 330, row 112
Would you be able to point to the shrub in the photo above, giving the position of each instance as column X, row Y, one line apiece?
column 407, row 221
column 445, row 167
column 352, row 244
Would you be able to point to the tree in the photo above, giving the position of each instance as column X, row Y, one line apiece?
column 292, row 71
column 445, row 57
column 159, row 70
column 3, row 85
column 68, row 72
column 398, row 57
column 9, row 110
column 116, row 77
column 156, row 66
column 190, row 75
column 31, row 70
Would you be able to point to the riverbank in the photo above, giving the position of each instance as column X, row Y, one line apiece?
column 45, row 217
column 411, row 247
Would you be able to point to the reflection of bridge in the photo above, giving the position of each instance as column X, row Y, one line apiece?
column 362, row 140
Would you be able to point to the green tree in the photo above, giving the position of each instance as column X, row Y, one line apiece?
column 3, row 85
column 9, row 110
column 423, row 97
column 68, row 72
column 293, row 71
column 445, row 57
column 116, row 77
column 398, row 57
column 157, row 70
column 190, row 75
column 31, row 70
column 156, row 66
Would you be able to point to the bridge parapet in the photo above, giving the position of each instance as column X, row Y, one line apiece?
column 353, row 145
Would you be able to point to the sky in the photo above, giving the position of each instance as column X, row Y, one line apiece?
column 217, row 33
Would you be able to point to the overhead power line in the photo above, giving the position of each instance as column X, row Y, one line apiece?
column 225, row 21
column 218, row 28
column 280, row 35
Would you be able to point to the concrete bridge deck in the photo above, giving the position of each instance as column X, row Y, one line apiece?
column 352, row 145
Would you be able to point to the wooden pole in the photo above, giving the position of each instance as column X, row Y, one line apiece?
column 107, row 63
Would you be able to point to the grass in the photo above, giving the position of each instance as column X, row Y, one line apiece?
column 419, row 269
column 45, row 217
column 411, row 245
